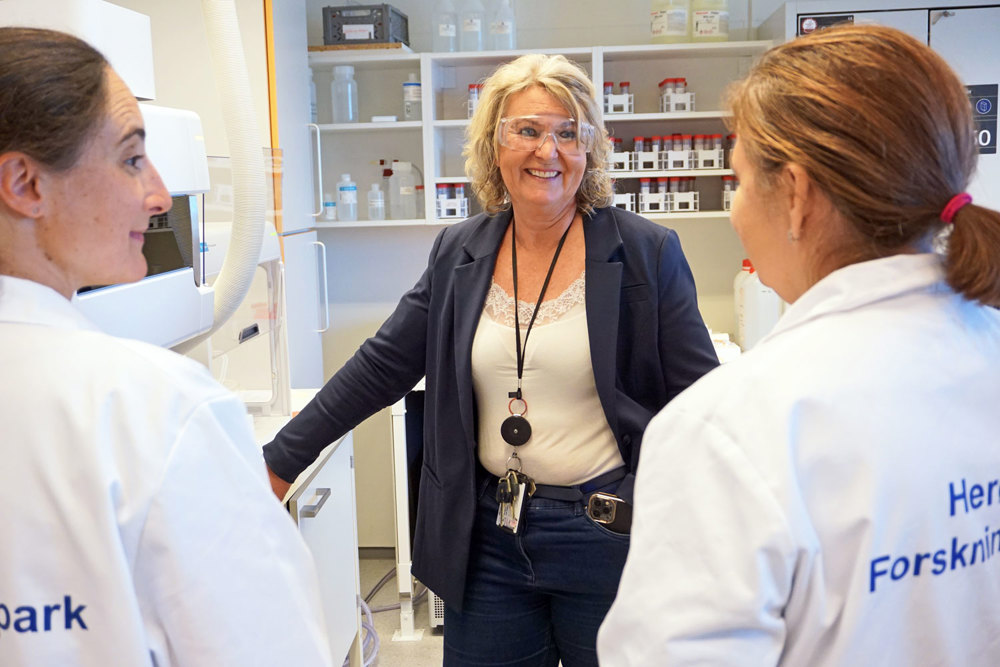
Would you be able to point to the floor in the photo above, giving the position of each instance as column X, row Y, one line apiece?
column 424, row 653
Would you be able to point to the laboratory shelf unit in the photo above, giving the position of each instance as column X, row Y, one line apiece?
column 434, row 143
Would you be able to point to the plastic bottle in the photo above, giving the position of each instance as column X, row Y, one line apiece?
column 444, row 30
column 329, row 207
column 347, row 198
column 709, row 20
column 503, row 27
column 739, row 298
column 758, row 310
column 344, row 94
column 376, row 203
column 669, row 21
column 470, row 24
column 644, row 186
column 419, row 199
column 473, row 102
column 411, row 98
column 402, row 192
column 313, row 116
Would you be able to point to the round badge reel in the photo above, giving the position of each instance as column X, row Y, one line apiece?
column 515, row 430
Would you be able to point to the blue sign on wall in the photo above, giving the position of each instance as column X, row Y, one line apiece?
column 984, row 114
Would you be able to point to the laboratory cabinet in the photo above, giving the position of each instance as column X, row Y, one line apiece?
column 322, row 503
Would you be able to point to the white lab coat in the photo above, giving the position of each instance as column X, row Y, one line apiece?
column 784, row 500
column 137, row 526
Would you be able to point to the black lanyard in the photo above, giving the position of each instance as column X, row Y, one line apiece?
column 541, row 295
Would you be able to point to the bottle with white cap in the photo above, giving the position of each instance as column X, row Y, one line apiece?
column 411, row 98
column 376, row 203
column 347, row 198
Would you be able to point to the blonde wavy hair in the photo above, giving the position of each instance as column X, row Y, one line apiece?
column 571, row 86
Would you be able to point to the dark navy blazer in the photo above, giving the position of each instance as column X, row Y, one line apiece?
column 647, row 344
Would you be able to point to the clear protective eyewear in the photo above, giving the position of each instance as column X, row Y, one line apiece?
column 528, row 133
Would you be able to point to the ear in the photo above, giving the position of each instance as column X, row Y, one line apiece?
column 800, row 193
column 19, row 184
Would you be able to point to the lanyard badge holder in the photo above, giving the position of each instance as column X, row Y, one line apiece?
column 514, row 485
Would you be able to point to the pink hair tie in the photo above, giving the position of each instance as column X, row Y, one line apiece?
column 955, row 203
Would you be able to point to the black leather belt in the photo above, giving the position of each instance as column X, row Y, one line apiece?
column 578, row 491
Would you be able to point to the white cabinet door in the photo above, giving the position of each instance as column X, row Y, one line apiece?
column 290, row 97
column 323, row 506
column 306, row 306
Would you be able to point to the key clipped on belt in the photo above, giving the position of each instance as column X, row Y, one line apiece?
column 511, row 491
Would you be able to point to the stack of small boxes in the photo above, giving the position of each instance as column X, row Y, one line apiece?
column 451, row 201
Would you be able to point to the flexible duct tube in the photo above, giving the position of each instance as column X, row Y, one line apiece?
column 246, row 159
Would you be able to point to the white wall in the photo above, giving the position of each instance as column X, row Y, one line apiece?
column 183, row 69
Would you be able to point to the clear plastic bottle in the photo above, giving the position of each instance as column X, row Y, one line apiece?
column 329, row 207
column 669, row 21
column 709, row 20
column 411, row 98
column 470, row 24
column 761, row 310
column 347, row 198
column 344, row 94
column 474, row 91
column 376, row 203
column 503, row 27
column 444, row 30
column 402, row 192
column 739, row 299
column 644, row 186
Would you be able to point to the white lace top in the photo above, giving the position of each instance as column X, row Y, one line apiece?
column 571, row 441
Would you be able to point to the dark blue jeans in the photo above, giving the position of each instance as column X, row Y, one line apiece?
column 537, row 597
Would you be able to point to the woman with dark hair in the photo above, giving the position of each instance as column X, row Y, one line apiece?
column 832, row 497
column 138, row 526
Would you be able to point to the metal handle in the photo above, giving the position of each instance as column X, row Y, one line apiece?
column 310, row 511
column 325, row 307
column 319, row 171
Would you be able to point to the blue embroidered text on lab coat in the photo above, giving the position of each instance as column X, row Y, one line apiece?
column 26, row 618
column 962, row 498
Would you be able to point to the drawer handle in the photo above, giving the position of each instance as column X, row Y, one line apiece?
column 310, row 511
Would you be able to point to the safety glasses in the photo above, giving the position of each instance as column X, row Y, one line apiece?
column 528, row 133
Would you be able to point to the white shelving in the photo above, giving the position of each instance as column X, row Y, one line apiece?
column 434, row 144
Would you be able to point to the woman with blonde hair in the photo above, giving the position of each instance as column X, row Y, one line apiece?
column 833, row 494
column 550, row 329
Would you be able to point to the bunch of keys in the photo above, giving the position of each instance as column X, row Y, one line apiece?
column 511, row 491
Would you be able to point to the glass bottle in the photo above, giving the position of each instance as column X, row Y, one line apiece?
column 503, row 27
column 444, row 30
column 470, row 25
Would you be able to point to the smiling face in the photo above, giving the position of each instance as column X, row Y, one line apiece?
column 97, row 211
column 542, row 182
